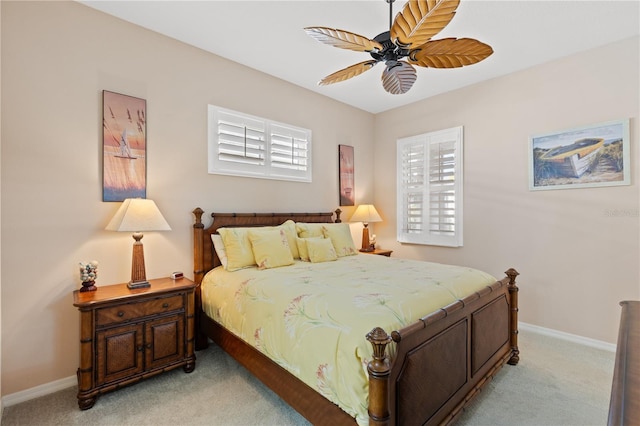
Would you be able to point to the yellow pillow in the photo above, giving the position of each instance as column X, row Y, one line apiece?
column 270, row 248
column 340, row 236
column 308, row 230
column 302, row 247
column 238, row 248
column 320, row 250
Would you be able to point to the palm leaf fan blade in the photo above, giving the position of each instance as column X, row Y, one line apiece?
column 450, row 53
column 420, row 20
column 347, row 73
column 398, row 79
column 343, row 39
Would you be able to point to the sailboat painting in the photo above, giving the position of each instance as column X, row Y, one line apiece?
column 124, row 141
column 597, row 155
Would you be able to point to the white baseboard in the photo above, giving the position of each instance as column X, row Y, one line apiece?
column 57, row 385
column 38, row 391
column 599, row 344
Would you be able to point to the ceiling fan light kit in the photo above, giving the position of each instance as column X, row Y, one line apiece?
column 407, row 43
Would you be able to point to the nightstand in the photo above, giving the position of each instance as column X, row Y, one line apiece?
column 128, row 335
column 379, row 252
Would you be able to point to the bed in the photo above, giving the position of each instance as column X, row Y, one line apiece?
column 424, row 372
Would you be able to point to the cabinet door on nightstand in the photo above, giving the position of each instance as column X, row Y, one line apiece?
column 164, row 341
column 119, row 352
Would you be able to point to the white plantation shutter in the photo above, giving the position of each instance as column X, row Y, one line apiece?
column 241, row 144
column 430, row 188
column 413, row 183
column 289, row 153
column 244, row 145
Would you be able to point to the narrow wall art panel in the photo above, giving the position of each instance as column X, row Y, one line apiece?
column 124, row 142
column 346, row 175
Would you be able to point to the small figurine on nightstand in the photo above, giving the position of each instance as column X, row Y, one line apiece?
column 88, row 275
column 372, row 242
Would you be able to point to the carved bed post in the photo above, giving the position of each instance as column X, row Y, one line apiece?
column 198, row 229
column 379, row 370
column 198, row 273
column 513, row 320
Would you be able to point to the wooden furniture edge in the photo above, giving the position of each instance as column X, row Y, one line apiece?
column 624, row 405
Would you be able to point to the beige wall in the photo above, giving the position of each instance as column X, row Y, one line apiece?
column 576, row 260
column 61, row 55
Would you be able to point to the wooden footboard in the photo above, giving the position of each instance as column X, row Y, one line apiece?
column 441, row 361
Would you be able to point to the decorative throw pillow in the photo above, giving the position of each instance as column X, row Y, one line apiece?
column 270, row 248
column 238, row 248
column 302, row 247
column 340, row 236
column 321, row 250
column 308, row 230
column 220, row 251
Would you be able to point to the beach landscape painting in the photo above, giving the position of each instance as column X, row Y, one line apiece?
column 596, row 155
column 124, row 143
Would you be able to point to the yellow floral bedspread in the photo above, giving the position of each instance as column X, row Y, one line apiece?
column 312, row 318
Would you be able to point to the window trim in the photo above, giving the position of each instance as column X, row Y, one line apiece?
column 424, row 189
column 263, row 159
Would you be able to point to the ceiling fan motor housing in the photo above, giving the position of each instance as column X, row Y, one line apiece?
column 390, row 53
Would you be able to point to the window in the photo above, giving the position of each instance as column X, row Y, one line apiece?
column 430, row 188
column 244, row 145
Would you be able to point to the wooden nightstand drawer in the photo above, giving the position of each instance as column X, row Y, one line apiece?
column 131, row 311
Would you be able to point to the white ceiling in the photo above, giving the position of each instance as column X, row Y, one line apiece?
column 268, row 35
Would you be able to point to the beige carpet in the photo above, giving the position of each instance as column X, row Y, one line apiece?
column 556, row 383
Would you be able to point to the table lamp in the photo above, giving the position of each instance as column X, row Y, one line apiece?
column 137, row 215
column 366, row 214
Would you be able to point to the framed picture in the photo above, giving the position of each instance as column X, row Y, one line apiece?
column 124, row 145
column 596, row 155
column 346, row 175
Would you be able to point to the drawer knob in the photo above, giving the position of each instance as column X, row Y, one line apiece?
column 140, row 348
column 120, row 313
column 165, row 305
column 148, row 345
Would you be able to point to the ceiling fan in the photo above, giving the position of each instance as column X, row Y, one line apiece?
column 409, row 37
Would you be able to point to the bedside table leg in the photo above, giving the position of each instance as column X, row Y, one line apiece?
column 190, row 365
column 86, row 403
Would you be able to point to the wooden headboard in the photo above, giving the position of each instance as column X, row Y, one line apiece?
column 204, row 256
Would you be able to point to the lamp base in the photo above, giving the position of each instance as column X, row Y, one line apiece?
column 365, row 238
column 138, row 284
column 367, row 250
column 138, row 274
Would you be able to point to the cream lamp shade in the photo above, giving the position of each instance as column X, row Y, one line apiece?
column 137, row 215
column 366, row 213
